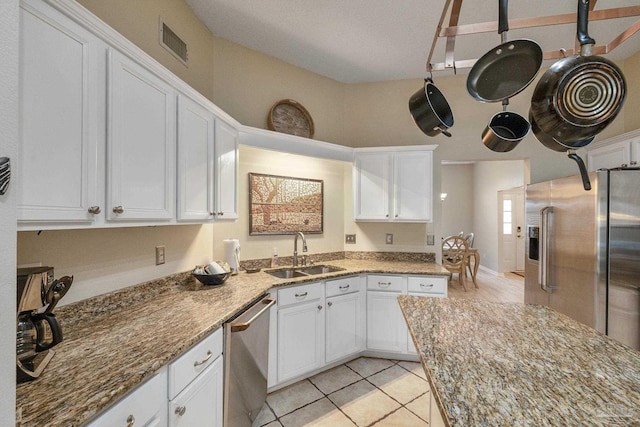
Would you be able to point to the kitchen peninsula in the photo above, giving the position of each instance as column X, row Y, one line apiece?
column 506, row 364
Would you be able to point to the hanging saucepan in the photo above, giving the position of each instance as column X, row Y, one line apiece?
column 505, row 130
column 430, row 110
column 577, row 97
column 552, row 143
column 507, row 69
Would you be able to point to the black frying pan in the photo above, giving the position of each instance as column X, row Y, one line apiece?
column 577, row 97
column 507, row 69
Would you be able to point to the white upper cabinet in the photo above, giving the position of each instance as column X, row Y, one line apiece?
column 393, row 185
column 615, row 152
column 226, row 171
column 196, row 137
column 141, row 142
column 59, row 90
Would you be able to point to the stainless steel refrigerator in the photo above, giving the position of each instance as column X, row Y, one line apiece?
column 583, row 250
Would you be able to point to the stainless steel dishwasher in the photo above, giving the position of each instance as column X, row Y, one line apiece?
column 246, row 354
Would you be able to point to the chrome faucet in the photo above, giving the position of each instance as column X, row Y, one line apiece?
column 295, row 247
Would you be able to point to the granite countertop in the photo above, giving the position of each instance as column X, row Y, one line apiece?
column 506, row 364
column 113, row 342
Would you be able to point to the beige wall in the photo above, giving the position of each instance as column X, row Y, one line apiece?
column 269, row 162
column 457, row 207
column 632, row 103
column 138, row 21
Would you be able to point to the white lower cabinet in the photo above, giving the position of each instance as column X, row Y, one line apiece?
column 300, row 330
column 386, row 328
column 145, row 406
column 200, row 403
column 345, row 328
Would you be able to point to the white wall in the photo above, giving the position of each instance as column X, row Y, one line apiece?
column 457, row 208
column 8, row 148
column 488, row 179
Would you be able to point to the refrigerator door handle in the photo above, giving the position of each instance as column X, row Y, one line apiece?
column 545, row 253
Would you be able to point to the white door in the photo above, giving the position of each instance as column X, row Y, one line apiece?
column 371, row 186
column 300, row 340
column 226, row 173
column 59, row 92
column 386, row 328
column 195, row 161
column 412, row 183
column 141, row 143
column 344, row 325
column 511, row 229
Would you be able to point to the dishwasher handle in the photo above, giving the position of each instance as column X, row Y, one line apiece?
column 241, row 326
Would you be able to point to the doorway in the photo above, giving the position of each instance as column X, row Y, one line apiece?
column 511, row 230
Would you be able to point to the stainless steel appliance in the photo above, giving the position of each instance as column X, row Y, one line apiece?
column 246, row 354
column 37, row 329
column 583, row 250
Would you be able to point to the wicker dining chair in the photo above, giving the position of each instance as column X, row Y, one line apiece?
column 454, row 256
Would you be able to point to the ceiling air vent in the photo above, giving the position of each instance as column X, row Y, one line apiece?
column 174, row 44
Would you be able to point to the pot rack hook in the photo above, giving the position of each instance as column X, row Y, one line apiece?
column 563, row 51
column 429, row 71
column 505, row 102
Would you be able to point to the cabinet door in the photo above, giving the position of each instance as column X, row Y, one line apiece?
column 141, row 143
column 609, row 156
column 200, row 403
column 59, row 91
column 146, row 406
column 413, row 186
column 371, row 186
column 195, row 161
column 226, row 151
column 344, row 325
column 300, row 339
column 386, row 328
column 635, row 151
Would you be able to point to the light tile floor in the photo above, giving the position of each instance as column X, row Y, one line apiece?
column 364, row 392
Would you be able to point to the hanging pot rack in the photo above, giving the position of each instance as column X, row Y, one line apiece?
column 454, row 30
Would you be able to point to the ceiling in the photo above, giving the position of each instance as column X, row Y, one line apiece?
column 355, row 41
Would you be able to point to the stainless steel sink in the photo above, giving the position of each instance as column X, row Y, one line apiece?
column 319, row 269
column 312, row 270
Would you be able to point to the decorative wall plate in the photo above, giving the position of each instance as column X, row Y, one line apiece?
column 289, row 116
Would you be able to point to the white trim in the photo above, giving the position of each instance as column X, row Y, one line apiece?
column 262, row 138
column 488, row 270
column 618, row 138
column 395, row 149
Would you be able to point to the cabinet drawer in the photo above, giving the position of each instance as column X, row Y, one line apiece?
column 188, row 366
column 145, row 404
column 428, row 285
column 343, row 286
column 384, row 283
column 297, row 294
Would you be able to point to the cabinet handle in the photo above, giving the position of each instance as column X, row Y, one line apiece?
column 385, row 284
column 95, row 210
column 203, row 361
column 212, row 213
column 430, row 285
column 221, row 213
column 387, row 215
column 329, row 303
column 180, row 410
column 343, row 288
column 396, row 215
column 118, row 210
column 302, row 295
column 319, row 307
column 131, row 420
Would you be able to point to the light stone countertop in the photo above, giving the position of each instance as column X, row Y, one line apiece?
column 508, row 364
column 114, row 342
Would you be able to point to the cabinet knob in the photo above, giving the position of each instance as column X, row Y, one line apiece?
column 118, row 210
column 319, row 307
column 131, row 420
column 387, row 215
column 180, row 410
column 329, row 303
column 95, row 210
column 221, row 213
column 212, row 213
column 396, row 215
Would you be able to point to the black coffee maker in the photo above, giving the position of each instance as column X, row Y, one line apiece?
column 37, row 329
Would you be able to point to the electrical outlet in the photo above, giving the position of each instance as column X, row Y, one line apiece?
column 159, row 255
column 430, row 240
column 389, row 239
column 350, row 239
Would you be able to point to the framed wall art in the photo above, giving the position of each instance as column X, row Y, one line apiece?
column 285, row 205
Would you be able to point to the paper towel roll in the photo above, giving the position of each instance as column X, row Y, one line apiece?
column 232, row 254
